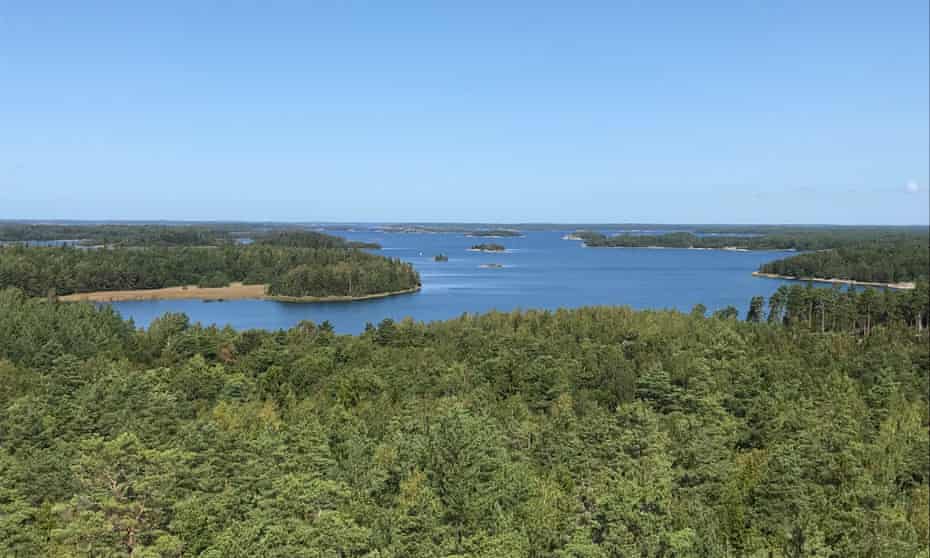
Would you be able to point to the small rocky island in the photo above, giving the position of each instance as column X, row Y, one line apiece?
column 441, row 258
column 496, row 233
column 488, row 248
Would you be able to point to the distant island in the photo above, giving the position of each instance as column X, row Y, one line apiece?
column 164, row 235
column 894, row 257
column 485, row 230
column 785, row 238
column 496, row 233
column 441, row 258
column 488, row 248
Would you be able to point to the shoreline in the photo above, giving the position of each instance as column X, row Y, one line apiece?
column 721, row 248
column 495, row 236
column 904, row 285
column 338, row 298
column 233, row 291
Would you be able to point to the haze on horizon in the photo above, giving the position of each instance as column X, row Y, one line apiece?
column 720, row 112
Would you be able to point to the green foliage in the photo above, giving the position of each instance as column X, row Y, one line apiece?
column 290, row 271
column 881, row 262
column 851, row 310
column 768, row 238
column 595, row 433
column 310, row 239
column 495, row 233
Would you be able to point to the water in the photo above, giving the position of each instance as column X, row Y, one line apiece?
column 540, row 271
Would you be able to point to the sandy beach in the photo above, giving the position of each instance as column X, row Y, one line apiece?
column 233, row 291
column 902, row 285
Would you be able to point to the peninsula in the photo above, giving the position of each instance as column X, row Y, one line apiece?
column 233, row 291
column 287, row 265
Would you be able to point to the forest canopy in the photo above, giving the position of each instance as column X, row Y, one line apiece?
column 161, row 235
column 592, row 433
column 886, row 262
column 286, row 269
column 819, row 238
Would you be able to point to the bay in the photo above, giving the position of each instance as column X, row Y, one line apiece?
column 541, row 270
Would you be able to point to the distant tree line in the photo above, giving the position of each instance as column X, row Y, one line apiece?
column 289, row 271
column 122, row 235
column 310, row 239
column 866, row 254
column 807, row 239
column 884, row 262
column 510, row 233
column 175, row 235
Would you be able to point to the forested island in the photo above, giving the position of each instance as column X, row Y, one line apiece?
column 595, row 432
column 496, row 233
column 893, row 256
column 490, row 247
column 292, row 265
column 880, row 262
column 785, row 238
column 162, row 235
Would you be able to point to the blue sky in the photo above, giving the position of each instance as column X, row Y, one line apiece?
column 620, row 111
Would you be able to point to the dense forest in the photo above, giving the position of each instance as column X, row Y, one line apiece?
column 874, row 261
column 589, row 433
column 212, row 234
column 776, row 240
column 287, row 270
column 309, row 239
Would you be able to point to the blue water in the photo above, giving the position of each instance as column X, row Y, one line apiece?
column 540, row 271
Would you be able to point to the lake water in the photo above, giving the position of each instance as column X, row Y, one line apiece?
column 541, row 270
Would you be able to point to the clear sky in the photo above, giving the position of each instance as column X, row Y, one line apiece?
column 794, row 111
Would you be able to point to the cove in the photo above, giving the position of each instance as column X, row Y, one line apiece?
column 537, row 270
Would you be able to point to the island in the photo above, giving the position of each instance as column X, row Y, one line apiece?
column 768, row 238
column 894, row 264
column 488, row 248
column 291, row 266
column 166, row 235
column 233, row 291
column 441, row 258
column 496, row 233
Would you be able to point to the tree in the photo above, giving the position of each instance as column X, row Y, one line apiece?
column 755, row 309
column 129, row 492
